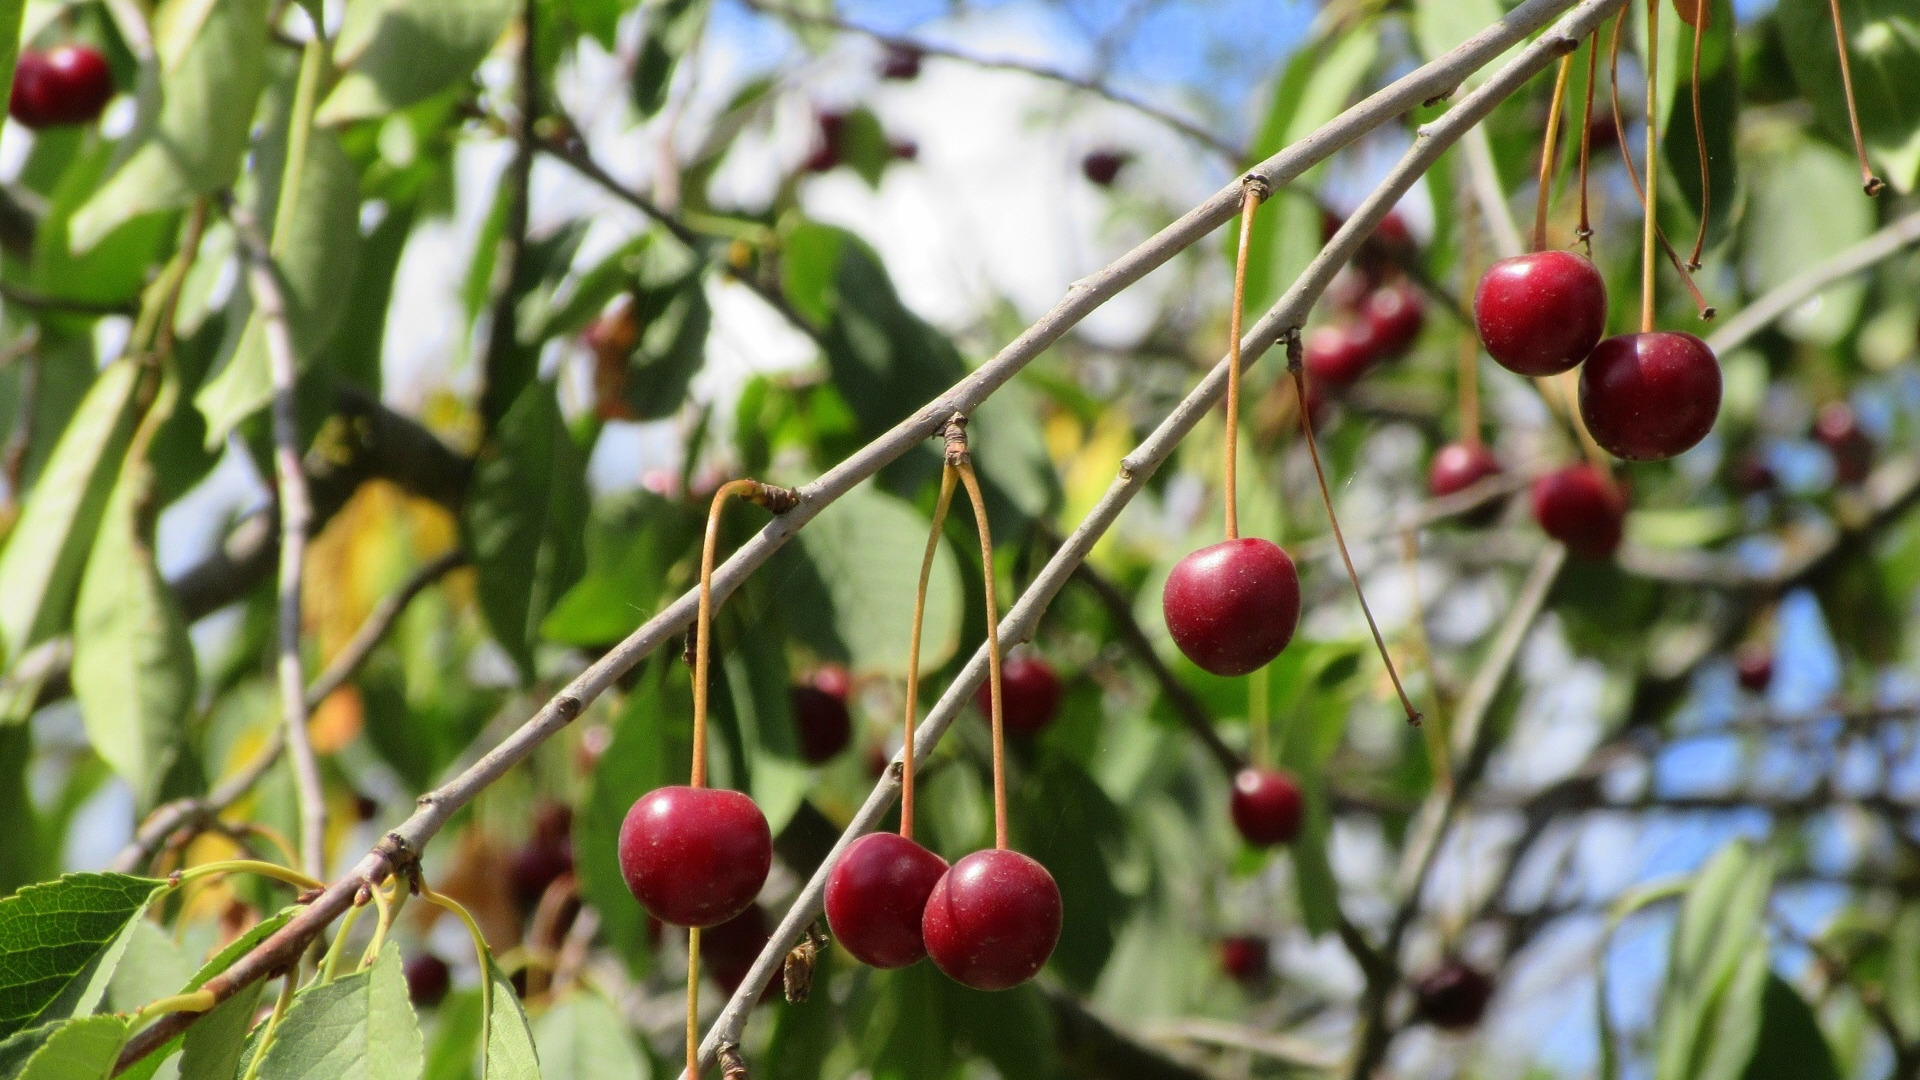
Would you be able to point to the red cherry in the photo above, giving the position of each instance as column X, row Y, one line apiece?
column 877, row 760
column 1394, row 314
column 1541, row 314
column 1244, row 959
column 1234, row 606
column 993, row 920
column 1754, row 662
column 727, row 951
column 1266, row 807
column 1838, row 429
column 1582, row 509
column 1393, row 231
column 902, row 63
column 905, row 149
column 1453, row 996
column 1459, row 466
column 877, row 895
column 1336, row 356
column 821, row 718
column 830, row 144
column 427, row 979
column 695, row 856
column 1102, row 167
column 1752, row 475
column 70, row 84
column 1648, row 397
column 1031, row 695
column 547, row 854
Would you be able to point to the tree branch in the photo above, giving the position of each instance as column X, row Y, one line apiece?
column 400, row 849
column 196, row 812
column 1791, row 293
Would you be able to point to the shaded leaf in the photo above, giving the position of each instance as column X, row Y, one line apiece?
column 59, row 943
column 510, row 1053
column 195, row 144
column 1791, row 1045
column 357, row 1027
column 583, row 1037
column 673, row 26
column 523, row 520
column 1883, row 38
column 399, row 52
column 1801, row 210
column 84, row 1048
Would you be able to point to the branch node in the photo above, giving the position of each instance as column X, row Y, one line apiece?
column 1874, row 186
column 399, row 853
column 1295, row 350
column 308, row 896
column 955, row 432
column 796, row 975
column 732, row 1065
column 1258, row 185
column 567, row 707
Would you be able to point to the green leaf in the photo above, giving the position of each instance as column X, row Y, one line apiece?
column 673, row 26
column 510, row 1049
column 10, row 15
column 1720, row 115
column 524, row 518
column 1070, row 826
column 628, row 567
column 133, row 662
column 1791, row 1045
column 399, row 52
column 1710, row 1011
column 456, row 1036
column 316, row 262
column 1440, row 26
column 47, row 550
column 1318, row 83
column 672, row 346
column 648, row 749
column 853, row 572
column 59, row 943
column 152, row 967
column 583, row 1037
column 1802, row 210
column 865, row 147
column 79, row 1049
column 213, row 1045
column 1883, row 38
column 195, row 144
column 357, row 1027
column 116, row 267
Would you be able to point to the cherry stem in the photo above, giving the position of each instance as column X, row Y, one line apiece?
column 1868, row 182
column 777, row 500
column 1585, row 235
column 1253, row 191
column 693, row 1003
column 1679, row 267
column 1469, row 376
column 948, row 478
column 1298, row 370
column 1549, row 154
column 1702, row 14
column 1649, row 199
column 965, row 468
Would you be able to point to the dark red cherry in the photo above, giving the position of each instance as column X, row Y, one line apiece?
column 1394, row 314
column 1337, row 355
column 877, row 895
column 1266, row 807
column 1102, row 167
column 829, row 144
column 70, row 84
column 1752, row 475
column 1459, row 466
column 1582, row 509
column 1234, row 606
column 902, row 63
column 820, row 717
column 1244, row 959
column 727, row 951
column 547, row 854
column 1541, row 314
column 905, row 150
column 1031, row 694
column 1838, row 429
column 877, row 760
column 992, row 920
column 427, row 979
column 1754, row 664
column 1453, row 996
column 695, row 856
column 1649, row 397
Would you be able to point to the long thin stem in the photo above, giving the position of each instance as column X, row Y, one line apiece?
column 1469, row 373
column 1868, row 182
column 693, row 1002
column 703, row 632
column 1626, row 154
column 1585, row 235
column 1550, row 154
column 965, row 468
column 1254, row 191
column 1702, row 18
column 948, row 478
column 1651, row 198
column 1326, row 496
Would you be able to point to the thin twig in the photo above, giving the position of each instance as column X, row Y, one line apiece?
column 1870, row 183
column 400, row 849
column 1790, row 294
column 1178, row 123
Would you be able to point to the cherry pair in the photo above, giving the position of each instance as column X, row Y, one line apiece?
column 1382, row 324
column 1644, row 397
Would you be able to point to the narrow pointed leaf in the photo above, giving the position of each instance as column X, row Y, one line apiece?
column 59, row 943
